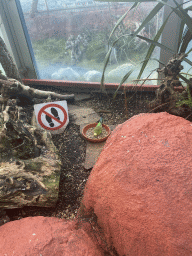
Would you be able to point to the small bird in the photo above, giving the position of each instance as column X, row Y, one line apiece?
column 98, row 128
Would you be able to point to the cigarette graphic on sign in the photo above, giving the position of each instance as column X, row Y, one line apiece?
column 52, row 116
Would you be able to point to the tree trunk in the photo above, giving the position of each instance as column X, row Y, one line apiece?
column 29, row 162
column 7, row 62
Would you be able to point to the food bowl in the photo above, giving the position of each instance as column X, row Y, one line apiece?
column 101, row 138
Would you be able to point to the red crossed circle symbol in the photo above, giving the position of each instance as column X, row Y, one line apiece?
column 43, row 110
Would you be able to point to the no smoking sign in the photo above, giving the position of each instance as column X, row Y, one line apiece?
column 52, row 116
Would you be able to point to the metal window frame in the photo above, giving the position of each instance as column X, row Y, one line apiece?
column 16, row 32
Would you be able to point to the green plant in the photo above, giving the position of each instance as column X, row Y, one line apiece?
column 183, row 40
column 185, row 99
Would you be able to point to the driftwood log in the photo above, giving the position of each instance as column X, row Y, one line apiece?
column 7, row 62
column 29, row 162
column 12, row 88
column 32, row 182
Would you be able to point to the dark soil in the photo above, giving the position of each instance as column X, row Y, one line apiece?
column 72, row 149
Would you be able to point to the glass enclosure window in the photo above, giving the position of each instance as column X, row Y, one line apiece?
column 186, row 67
column 70, row 38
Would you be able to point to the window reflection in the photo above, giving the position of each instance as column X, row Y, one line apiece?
column 70, row 38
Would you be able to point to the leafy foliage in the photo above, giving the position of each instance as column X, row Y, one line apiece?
column 185, row 100
column 179, row 10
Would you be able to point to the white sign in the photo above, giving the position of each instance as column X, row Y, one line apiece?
column 52, row 116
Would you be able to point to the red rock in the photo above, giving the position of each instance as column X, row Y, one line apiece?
column 141, row 187
column 47, row 236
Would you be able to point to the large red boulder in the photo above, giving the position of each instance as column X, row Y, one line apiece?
column 141, row 187
column 47, row 237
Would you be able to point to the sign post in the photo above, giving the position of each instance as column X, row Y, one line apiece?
column 52, row 116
